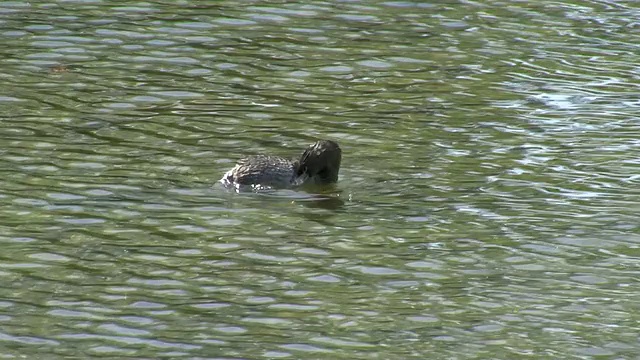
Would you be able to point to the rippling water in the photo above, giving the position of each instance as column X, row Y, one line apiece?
column 487, row 205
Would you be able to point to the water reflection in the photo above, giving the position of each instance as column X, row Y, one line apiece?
column 486, row 191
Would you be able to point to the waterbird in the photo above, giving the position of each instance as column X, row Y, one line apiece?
column 319, row 164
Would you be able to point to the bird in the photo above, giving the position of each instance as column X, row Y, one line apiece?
column 319, row 164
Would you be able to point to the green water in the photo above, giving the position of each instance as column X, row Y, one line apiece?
column 486, row 209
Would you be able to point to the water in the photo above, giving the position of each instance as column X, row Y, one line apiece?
column 487, row 205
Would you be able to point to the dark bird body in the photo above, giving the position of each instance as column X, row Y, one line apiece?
column 319, row 164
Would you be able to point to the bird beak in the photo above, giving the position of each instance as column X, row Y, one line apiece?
column 300, row 179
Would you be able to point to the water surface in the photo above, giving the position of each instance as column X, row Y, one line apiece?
column 486, row 207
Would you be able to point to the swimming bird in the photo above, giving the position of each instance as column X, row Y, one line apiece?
column 319, row 164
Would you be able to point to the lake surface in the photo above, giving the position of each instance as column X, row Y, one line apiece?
column 487, row 206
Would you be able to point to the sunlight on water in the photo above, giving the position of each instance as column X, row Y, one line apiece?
column 486, row 206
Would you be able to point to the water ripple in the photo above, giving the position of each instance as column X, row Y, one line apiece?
column 487, row 188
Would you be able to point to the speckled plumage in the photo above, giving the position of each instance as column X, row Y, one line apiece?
column 318, row 164
column 264, row 170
